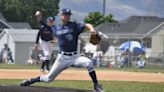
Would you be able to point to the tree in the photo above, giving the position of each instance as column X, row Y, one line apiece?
column 24, row 10
column 97, row 18
column 94, row 18
column 110, row 18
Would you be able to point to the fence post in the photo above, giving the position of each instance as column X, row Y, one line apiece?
column 163, row 51
column 129, row 53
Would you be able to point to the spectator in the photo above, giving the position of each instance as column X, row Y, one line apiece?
column 97, row 58
column 10, row 57
column 1, row 56
column 126, row 58
column 142, row 61
column 5, row 53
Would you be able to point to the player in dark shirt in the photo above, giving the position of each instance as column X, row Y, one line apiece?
column 46, row 36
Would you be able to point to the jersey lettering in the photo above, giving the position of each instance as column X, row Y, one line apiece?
column 64, row 31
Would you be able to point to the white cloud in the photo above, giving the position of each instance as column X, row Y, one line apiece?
column 121, row 9
column 148, row 2
column 78, row 16
column 80, row 8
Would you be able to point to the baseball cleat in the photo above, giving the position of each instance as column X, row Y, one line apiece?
column 98, row 88
column 25, row 83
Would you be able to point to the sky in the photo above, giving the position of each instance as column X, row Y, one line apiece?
column 120, row 9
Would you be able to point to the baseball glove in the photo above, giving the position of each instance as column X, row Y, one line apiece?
column 95, row 39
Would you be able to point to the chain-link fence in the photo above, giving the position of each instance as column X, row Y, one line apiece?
column 107, row 53
column 153, row 46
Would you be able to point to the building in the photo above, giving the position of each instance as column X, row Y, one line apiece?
column 20, row 41
column 145, row 29
column 15, row 34
column 148, row 30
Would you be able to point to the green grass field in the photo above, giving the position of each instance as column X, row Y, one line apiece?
column 109, row 86
column 133, row 69
column 17, row 66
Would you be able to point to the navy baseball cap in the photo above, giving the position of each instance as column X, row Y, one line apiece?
column 50, row 19
column 66, row 11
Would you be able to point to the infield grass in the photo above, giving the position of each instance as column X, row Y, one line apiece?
column 19, row 66
column 133, row 69
column 109, row 86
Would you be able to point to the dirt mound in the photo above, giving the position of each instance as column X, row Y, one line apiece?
column 16, row 88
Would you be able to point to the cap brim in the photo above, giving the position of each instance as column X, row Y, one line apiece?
column 50, row 21
column 67, row 13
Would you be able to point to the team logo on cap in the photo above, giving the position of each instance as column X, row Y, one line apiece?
column 67, row 10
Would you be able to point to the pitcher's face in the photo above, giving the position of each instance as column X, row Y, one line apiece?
column 50, row 23
column 65, row 17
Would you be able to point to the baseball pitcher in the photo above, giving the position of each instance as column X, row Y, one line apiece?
column 67, row 34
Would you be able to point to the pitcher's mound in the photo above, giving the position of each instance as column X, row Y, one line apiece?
column 16, row 88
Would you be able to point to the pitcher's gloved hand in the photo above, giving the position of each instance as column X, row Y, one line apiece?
column 95, row 39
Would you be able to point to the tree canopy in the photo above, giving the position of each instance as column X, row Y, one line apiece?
column 96, row 18
column 24, row 10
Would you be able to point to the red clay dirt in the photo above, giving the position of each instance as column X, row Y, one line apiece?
column 83, row 75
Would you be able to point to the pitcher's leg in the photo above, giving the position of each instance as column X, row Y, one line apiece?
column 55, row 70
column 87, row 63
column 57, row 67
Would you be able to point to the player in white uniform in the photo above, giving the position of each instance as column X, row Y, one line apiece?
column 67, row 34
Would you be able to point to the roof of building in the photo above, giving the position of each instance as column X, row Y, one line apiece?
column 3, row 24
column 19, row 25
column 2, row 17
column 13, row 25
column 22, row 35
column 131, row 26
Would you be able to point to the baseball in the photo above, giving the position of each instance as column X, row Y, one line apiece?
column 38, row 13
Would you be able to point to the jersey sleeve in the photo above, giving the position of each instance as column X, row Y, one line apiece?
column 37, row 37
column 54, row 28
column 80, row 27
column 44, row 24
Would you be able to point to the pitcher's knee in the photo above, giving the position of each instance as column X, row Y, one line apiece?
column 89, row 66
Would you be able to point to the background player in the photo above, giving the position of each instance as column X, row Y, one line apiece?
column 67, row 34
column 46, row 36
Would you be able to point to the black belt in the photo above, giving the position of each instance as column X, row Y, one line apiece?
column 68, row 53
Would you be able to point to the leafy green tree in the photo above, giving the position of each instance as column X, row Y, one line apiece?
column 24, row 10
column 94, row 18
column 110, row 18
column 97, row 18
